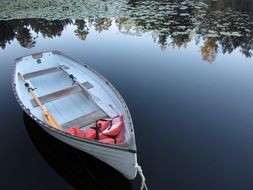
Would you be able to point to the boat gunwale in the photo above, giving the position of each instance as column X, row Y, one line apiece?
column 132, row 148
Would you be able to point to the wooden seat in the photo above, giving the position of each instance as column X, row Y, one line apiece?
column 85, row 120
column 44, row 72
column 60, row 94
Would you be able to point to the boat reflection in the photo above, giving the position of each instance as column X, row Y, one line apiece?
column 79, row 169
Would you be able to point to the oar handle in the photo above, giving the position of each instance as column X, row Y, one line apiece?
column 30, row 90
column 47, row 116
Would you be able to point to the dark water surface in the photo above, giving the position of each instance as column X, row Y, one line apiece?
column 183, row 67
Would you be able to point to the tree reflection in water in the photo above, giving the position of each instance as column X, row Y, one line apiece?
column 82, row 29
column 222, row 26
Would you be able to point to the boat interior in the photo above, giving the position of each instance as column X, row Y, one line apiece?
column 61, row 95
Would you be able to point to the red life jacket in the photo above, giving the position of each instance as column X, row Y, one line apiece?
column 76, row 132
column 98, row 127
column 108, row 130
column 114, row 129
column 117, row 139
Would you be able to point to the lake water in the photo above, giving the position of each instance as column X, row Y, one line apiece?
column 184, row 69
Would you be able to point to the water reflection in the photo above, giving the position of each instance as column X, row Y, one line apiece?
column 216, row 26
column 79, row 169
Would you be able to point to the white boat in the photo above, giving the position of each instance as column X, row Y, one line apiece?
column 76, row 96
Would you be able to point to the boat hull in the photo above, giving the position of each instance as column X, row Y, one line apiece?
column 122, row 157
column 123, row 161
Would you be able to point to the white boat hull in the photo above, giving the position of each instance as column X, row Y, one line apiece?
column 123, row 161
column 67, row 109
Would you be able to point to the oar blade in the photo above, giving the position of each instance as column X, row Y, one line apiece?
column 50, row 120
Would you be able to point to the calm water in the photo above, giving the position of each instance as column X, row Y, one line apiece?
column 184, row 68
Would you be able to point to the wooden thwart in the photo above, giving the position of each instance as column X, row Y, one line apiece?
column 60, row 94
column 44, row 72
column 85, row 120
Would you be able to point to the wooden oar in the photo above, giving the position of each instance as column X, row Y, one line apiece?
column 46, row 114
column 102, row 105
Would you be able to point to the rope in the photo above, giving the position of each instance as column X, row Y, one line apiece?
column 143, row 184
